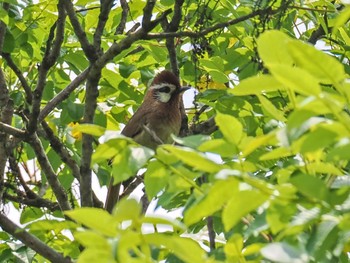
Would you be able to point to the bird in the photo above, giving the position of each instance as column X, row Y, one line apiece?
column 158, row 117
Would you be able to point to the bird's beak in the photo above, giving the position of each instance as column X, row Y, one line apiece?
column 183, row 89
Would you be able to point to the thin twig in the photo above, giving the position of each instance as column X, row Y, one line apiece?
column 312, row 9
column 5, row 7
column 206, row 127
column 88, row 49
column 12, row 130
column 53, row 46
column 147, row 14
column 32, row 241
column 211, row 29
column 125, row 11
column 105, row 9
column 66, row 158
column 211, row 233
column 125, row 43
column 6, row 117
column 64, row 94
column 20, row 76
column 51, row 176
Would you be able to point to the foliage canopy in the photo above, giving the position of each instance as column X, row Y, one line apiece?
column 260, row 172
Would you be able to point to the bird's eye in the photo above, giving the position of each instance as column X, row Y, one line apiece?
column 165, row 89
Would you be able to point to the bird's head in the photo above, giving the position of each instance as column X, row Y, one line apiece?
column 166, row 87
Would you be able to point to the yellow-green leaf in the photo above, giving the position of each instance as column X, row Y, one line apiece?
column 256, row 142
column 257, row 85
column 156, row 178
column 321, row 65
column 186, row 249
column 217, row 196
column 272, row 48
column 296, row 79
column 240, row 204
column 91, row 129
column 271, row 109
column 230, row 127
column 193, row 158
column 95, row 219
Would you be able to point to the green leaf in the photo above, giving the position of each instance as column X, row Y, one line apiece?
column 257, row 142
column 30, row 214
column 323, row 168
column 279, row 215
column 296, row 79
column 95, row 255
column 217, row 196
column 240, row 204
column 157, row 51
column 51, row 225
column 340, row 152
column 324, row 239
column 230, row 127
column 272, row 48
column 195, row 159
column 126, row 159
column 257, row 85
column 186, row 249
column 233, row 248
column 277, row 154
column 218, row 76
column 91, row 129
column 321, row 65
column 156, row 178
column 283, row 252
column 318, row 139
column 311, row 186
column 127, row 209
column 126, row 70
column 341, row 19
column 9, row 42
column 95, row 219
column 108, row 150
column 219, row 146
column 271, row 109
column 177, row 225
column 4, row 16
column 192, row 141
column 94, row 240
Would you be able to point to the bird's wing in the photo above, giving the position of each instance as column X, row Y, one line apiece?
column 135, row 125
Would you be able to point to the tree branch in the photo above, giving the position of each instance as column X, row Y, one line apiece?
column 105, row 8
column 33, row 202
column 211, row 233
column 212, row 28
column 6, row 117
column 147, row 14
column 11, row 130
column 121, row 27
column 31, row 241
column 125, row 43
column 64, row 94
column 87, row 147
column 88, row 49
column 5, row 6
column 206, row 127
column 52, row 51
column 20, row 76
column 65, row 156
column 46, row 167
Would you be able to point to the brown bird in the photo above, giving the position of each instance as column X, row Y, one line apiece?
column 157, row 118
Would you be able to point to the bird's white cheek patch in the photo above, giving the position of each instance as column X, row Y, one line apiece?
column 164, row 97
